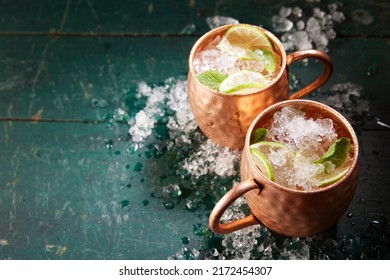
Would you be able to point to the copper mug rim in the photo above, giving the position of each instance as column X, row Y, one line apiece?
column 212, row 33
column 334, row 115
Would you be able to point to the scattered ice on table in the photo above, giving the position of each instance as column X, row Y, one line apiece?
column 285, row 11
column 349, row 99
column 314, row 32
column 172, row 191
column 211, row 158
column 142, row 126
column 295, row 249
column 216, row 21
column 362, row 16
column 337, row 16
column 120, row 115
column 99, row 103
column 297, row 12
column 281, row 24
column 170, row 97
column 181, row 121
column 300, row 40
column 300, row 25
column 188, row 29
column 186, row 254
column 235, row 211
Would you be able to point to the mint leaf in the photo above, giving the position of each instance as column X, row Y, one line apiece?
column 212, row 78
column 337, row 153
column 259, row 135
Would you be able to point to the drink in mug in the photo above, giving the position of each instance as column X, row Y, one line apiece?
column 299, row 170
column 240, row 61
column 300, row 153
column 237, row 71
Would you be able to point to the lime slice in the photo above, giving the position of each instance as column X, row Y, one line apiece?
column 329, row 178
column 235, row 51
column 267, row 146
column 268, row 58
column 262, row 163
column 264, row 149
column 248, row 37
column 242, row 82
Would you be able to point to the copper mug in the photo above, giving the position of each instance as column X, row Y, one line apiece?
column 225, row 118
column 290, row 212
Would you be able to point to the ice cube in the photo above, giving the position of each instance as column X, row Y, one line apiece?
column 313, row 28
column 291, row 128
column 338, row 16
column 281, row 24
column 297, row 12
column 188, row 29
column 285, row 12
column 216, row 21
column 301, row 40
column 300, row 25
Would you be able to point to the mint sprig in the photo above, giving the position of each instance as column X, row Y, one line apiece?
column 337, row 153
column 259, row 135
column 212, row 78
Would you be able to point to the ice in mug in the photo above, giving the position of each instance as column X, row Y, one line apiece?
column 300, row 153
column 241, row 61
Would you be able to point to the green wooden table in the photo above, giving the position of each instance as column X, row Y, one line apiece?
column 75, row 184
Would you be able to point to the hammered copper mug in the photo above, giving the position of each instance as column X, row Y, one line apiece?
column 225, row 118
column 290, row 212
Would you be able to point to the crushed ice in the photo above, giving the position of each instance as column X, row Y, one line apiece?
column 169, row 99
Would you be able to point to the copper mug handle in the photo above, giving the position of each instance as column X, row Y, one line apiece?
column 223, row 204
column 323, row 57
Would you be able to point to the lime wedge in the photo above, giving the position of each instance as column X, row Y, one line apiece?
column 267, row 146
column 263, row 151
column 244, row 81
column 248, row 37
column 329, row 178
column 263, row 163
column 268, row 58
